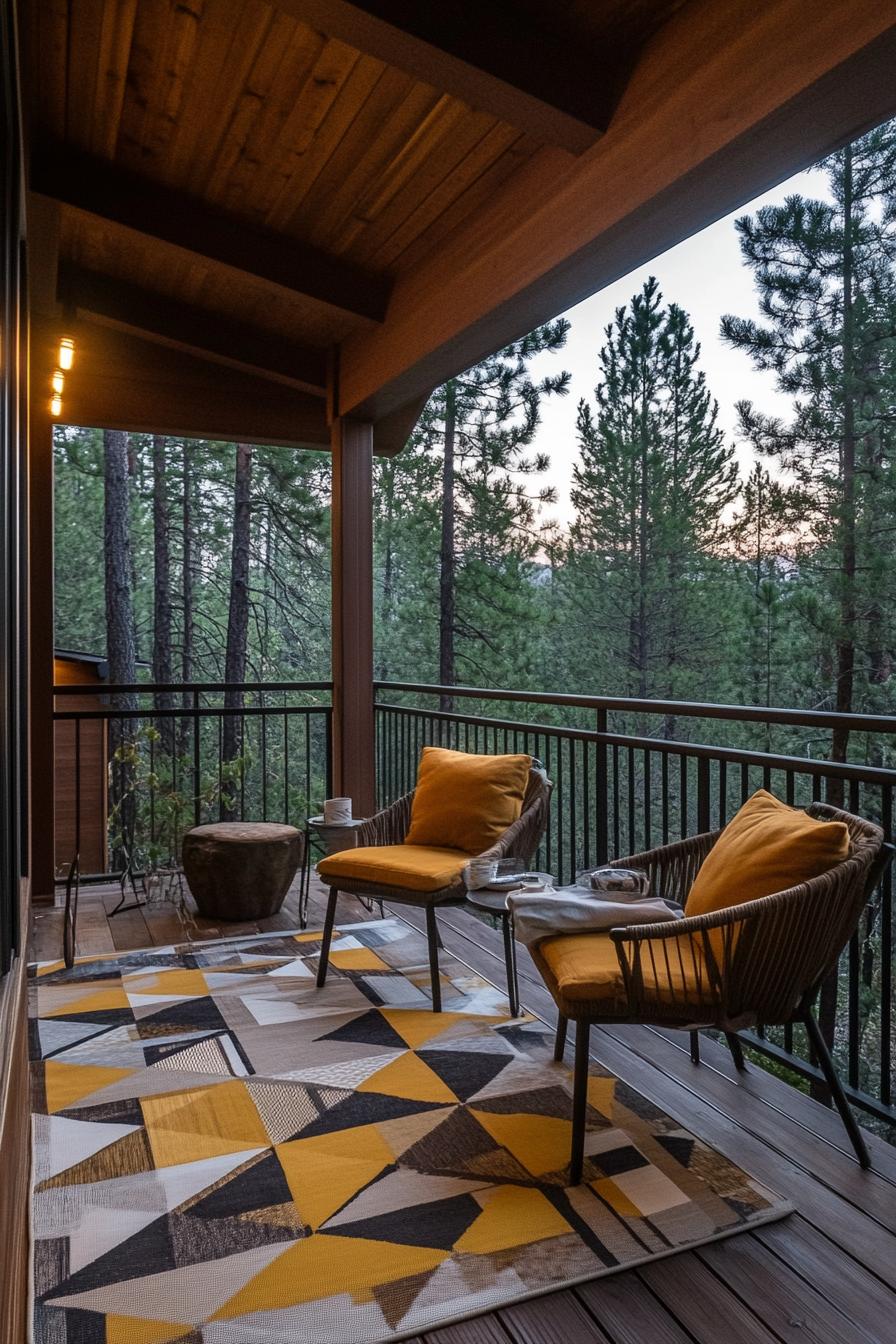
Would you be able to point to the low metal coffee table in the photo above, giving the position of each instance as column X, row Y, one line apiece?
column 494, row 903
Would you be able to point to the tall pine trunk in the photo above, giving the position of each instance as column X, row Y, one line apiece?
column 447, row 555
column 238, row 615
column 162, row 666
column 388, row 607
column 120, row 639
column 188, row 618
column 845, row 652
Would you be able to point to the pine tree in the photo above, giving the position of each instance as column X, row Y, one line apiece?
column 162, row 664
column 238, row 606
column 120, row 640
column 482, row 423
column 824, row 275
column 650, row 491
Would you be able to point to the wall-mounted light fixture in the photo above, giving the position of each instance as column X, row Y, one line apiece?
column 56, row 404
column 66, row 352
column 57, row 382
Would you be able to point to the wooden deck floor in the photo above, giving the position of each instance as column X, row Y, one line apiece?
column 825, row 1275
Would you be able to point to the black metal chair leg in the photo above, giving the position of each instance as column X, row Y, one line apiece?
column 826, row 1064
column 432, row 937
column 579, row 1103
column 560, row 1039
column 737, row 1053
column 510, row 967
column 324, row 957
column 695, row 1047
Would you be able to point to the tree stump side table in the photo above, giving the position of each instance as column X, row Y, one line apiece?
column 241, row 870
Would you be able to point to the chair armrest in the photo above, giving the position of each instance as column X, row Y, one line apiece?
column 521, row 839
column 731, row 963
column 390, row 826
column 672, row 868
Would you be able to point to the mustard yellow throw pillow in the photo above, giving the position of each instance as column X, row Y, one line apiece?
column 465, row 801
column 766, row 847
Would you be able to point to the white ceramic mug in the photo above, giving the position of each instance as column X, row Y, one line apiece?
column 337, row 810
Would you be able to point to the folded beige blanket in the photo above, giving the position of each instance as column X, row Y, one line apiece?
column 541, row 914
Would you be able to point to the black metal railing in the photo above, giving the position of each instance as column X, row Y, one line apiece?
column 627, row 777
column 138, row 765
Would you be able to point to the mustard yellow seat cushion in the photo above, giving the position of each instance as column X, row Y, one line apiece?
column 416, row 867
column 465, row 801
column 585, row 970
column 766, row 847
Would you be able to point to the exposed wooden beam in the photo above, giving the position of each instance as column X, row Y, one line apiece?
column 729, row 98
column 102, row 189
column 198, row 331
column 391, row 433
column 490, row 55
column 120, row 381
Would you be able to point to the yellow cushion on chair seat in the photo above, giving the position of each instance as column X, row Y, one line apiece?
column 585, row 970
column 416, row 867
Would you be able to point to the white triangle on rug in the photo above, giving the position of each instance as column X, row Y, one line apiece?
column 154, row 1192
column 520, row 1076
column 310, row 1323
column 449, row 1283
column 61, row 1143
column 156, row 1000
column 488, row 1042
column 234, row 980
column 485, row 1002
column 350, row 1073
column 202, row 1288
column 98, row 1233
column 298, row 968
column 401, row 1190
column 268, row 1011
column 59, row 1035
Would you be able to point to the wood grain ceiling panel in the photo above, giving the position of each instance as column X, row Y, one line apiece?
column 104, row 247
column 244, row 105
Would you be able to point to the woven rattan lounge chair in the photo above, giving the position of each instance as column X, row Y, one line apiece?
column 391, row 826
column 762, row 961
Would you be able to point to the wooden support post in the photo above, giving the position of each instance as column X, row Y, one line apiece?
column 40, row 619
column 354, row 767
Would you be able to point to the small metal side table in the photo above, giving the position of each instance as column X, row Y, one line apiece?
column 325, row 837
column 495, row 903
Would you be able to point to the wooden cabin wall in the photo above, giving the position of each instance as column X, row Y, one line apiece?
column 80, row 822
column 15, row 1146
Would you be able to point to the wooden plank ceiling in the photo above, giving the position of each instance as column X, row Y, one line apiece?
column 246, row 181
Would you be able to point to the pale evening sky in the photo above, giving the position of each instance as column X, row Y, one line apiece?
column 706, row 277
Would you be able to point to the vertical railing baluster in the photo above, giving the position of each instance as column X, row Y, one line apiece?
column 197, row 785
column 616, row 836
column 888, row 886
column 703, row 799
column 285, row 767
column 601, row 791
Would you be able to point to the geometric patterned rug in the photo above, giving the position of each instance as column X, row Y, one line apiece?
column 224, row 1154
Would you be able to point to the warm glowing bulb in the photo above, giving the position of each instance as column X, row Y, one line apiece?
column 56, row 405
column 57, row 382
column 66, row 352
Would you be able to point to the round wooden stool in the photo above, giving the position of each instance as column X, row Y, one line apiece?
column 241, row 870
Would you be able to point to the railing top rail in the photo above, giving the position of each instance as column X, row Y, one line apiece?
column 807, row 765
column 197, row 712
column 188, row 687
column 805, row 718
